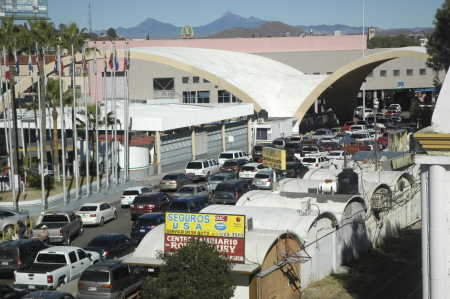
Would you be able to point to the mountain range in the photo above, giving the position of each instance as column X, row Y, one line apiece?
column 231, row 26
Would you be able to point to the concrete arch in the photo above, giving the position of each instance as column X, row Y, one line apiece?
column 341, row 88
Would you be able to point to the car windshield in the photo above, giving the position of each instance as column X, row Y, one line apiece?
column 309, row 160
column 179, row 205
column 95, row 276
column 170, row 176
column 146, row 222
column 142, row 199
column 130, row 192
column 226, row 156
column 358, row 136
column 194, row 165
column 292, row 145
column 247, row 168
column 309, row 149
column 278, row 142
column 262, row 176
column 225, row 187
column 217, row 178
column 230, row 163
column 98, row 242
column 88, row 208
column 334, row 154
column 186, row 190
column 320, row 132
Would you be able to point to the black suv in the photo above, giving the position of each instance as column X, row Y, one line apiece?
column 293, row 170
column 15, row 255
column 233, row 166
column 294, row 148
column 257, row 151
column 230, row 191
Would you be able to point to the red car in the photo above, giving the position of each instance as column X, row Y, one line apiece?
column 348, row 124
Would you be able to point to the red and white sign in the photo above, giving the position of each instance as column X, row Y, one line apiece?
column 233, row 248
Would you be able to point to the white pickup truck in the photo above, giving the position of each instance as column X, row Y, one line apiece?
column 54, row 267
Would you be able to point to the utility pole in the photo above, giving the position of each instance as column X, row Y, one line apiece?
column 90, row 20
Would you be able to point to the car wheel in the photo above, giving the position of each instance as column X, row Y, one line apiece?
column 115, row 215
column 61, row 282
column 116, row 257
column 120, row 295
column 208, row 175
column 102, row 222
column 67, row 242
column 81, row 231
column 9, row 228
column 122, row 207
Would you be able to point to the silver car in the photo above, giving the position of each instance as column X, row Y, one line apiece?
column 264, row 180
column 8, row 218
column 192, row 190
column 219, row 178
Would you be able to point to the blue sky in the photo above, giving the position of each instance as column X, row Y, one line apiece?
column 385, row 14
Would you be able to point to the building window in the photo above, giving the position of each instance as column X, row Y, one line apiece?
column 409, row 72
column 383, row 73
column 195, row 79
column 261, row 133
column 422, row 72
column 316, row 73
column 396, row 73
column 329, row 73
column 226, row 97
column 185, row 80
column 203, row 97
column 189, row 97
column 205, row 81
column 370, row 74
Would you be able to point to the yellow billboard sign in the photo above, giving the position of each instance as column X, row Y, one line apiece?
column 213, row 225
column 274, row 158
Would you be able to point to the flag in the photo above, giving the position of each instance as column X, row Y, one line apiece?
column 56, row 64
column 61, row 65
column 71, row 64
column 111, row 57
column 95, row 61
column 17, row 63
column 105, row 64
column 128, row 58
column 116, row 60
column 37, row 60
column 125, row 59
column 7, row 73
column 30, row 66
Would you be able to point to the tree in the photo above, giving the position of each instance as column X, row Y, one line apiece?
column 111, row 33
column 148, row 36
column 438, row 46
column 398, row 41
column 54, row 100
column 93, row 119
column 197, row 270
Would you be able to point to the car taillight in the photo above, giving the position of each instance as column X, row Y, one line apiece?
column 49, row 278
column 106, row 253
column 235, row 167
column 214, row 193
column 61, row 233
column 317, row 164
column 133, row 225
column 162, row 183
column 173, row 183
column 236, row 194
column 222, row 167
column 124, row 196
column 152, row 226
column 203, row 171
column 208, row 184
column 107, row 286
column 254, row 170
column 80, row 284
column 14, row 277
column 93, row 215
column 269, row 181
column 151, row 206
column 253, row 180
column 19, row 263
column 241, row 170
column 31, row 233
column 292, row 171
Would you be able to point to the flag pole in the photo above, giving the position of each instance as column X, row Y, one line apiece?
column 5, row 117
column 96, row 117
column 74, row 129
column 115, row 144
column 63, row 145
column 86, row 146
column 127, row 107
column 106, row 121
column 43, row 145
column 11, row 129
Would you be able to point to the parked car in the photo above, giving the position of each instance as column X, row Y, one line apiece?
column 356, row 146
column 314, row 150
column 358, row 111
column 337, row 130
column 294, row 148
column 8, row 218
column 338, row 155
column 190, row 204
column 321, row 133
column 97, row 213
column 258, row 150
column 363, row 122
column 112, row 246
column 297, row 138
column 391, row 111
column 219, row 178
column 227, row 155
column 110, row 279
column 230, row 191
column 347, row 125
column 49, row 295
column 149, row 203
column 357, row 129
column 280, row 143
column 7, row 292
column 201, row 169
column 293, row 170
column 145, row 223
column 173, row 181
column 361, row 136
column 130, row 193
column 396, row 107
column 233, row 166
column 316, row 162
column 62, row 226
column 54, row 267
column 249, row 170
column 330, row 146
column 365, row 113
column 192, row 190
column 17, row 254
column 264, row 179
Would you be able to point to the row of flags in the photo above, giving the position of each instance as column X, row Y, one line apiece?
column 113, row 63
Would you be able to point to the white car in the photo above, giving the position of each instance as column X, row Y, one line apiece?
column 249, row 170
column 316, row 162
column 366, row 113
column 338, row 155
column 96, row 213
column 357, row 129
column 130, row 193
column 361, row 136
column 227, row 155
column 396, row 106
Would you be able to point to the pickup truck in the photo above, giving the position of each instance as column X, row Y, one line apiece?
column 62, row 225
column 54, row 267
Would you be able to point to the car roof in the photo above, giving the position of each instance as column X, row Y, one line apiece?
column 135, row 188
column 151, row 215
column 46, row 294
column 61, row 249
column 108, row 236
column 190, row 185
column 93, row 204
column 188, row 198
column 265, row 171
column 150, row 194
column 231, row 151
column 14, row 243
column 235, row 181
column 105, row 265
column 252, row 164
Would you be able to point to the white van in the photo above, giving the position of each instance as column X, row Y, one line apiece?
column 227, row 155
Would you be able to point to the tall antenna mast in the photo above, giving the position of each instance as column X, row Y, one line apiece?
column 90, row 20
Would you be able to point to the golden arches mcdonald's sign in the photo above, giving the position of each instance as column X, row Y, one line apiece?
column 187, row 32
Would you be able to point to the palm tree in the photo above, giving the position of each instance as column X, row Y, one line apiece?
column 54, row 100
column 42, row 33
column 93, row 119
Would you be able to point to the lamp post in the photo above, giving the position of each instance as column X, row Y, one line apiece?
column 364, row 82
